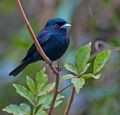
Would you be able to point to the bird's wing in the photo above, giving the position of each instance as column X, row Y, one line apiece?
column 42, row 38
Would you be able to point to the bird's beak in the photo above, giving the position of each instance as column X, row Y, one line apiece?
column 66, row 25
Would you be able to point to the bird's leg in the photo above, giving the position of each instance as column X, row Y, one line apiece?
column 50, row 63
column 58, row 67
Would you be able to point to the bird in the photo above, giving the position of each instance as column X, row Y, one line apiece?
column 54, row 40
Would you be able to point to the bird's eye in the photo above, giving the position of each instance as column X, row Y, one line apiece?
column 56, row 26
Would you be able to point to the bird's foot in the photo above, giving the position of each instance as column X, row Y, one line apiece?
column 50, row 63
column 58, row 68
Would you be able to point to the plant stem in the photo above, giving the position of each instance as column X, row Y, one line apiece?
column 70, row 102
column 55, row 94
column 34, row 109
column 35, row 105
column 65, row 88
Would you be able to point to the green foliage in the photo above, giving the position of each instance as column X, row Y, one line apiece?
column 38, row 94
column 100, row 60
column 78, row 83
column 24, row 92
column 23, row 109
column 82, row 56
column 71, row 67
column 66, row 77
column 31, row 85
column 79, row 69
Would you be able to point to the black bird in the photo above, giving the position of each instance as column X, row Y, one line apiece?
column 54, row 40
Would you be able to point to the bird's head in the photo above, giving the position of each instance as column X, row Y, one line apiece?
column 57, row 23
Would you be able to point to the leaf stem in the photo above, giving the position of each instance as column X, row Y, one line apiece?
column 35, row 105
column 65, row 88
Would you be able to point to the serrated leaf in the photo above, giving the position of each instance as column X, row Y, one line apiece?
column 84, row 69
column 45, row 101
column 78, row 83
column 86, row 76
column 100, row 60
column 71, row 67
column 97, row 76
column 67, row 77
column 82, row 56
column 31, row 85
column 24, row 92
column 13, row 109
column 23, row 109
column 41, row 80
column 59, row 100
column 48, row 88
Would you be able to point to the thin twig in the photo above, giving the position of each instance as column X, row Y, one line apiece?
column 54, row 96
column 55, row 93
column 70, row 102
column 40, row 50
column 65, row 88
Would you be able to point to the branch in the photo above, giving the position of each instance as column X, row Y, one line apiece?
column 65, row 88
column 54, row 96
column 70, row 102
column 55, row 92
column 40, row 50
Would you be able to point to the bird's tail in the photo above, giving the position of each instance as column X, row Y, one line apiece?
column 18, row 69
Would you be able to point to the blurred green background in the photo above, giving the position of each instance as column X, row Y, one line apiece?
column 92, row 20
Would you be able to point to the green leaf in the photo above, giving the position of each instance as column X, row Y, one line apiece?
column 97, row 76
column 23, row 109
column 71, row 67
column 78, row 83
column 100, row 60
column 41, row 113
column 66, row 77
column 82, row 56
column 41, row 80
column 48, row 88
column 45, row 101
column 24, row 92
column 14, row 109
column 86, row 76
column 59, row 100
column 31, row 85
column 84, row 69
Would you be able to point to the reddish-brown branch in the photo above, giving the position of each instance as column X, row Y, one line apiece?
column 70, row 102
column 55, row 93
column 54, row 96
column 55, row 71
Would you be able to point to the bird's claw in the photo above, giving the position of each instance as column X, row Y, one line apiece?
column 50, row 63
column 58, row 68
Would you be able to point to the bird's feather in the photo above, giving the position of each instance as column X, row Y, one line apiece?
column 42, row 37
